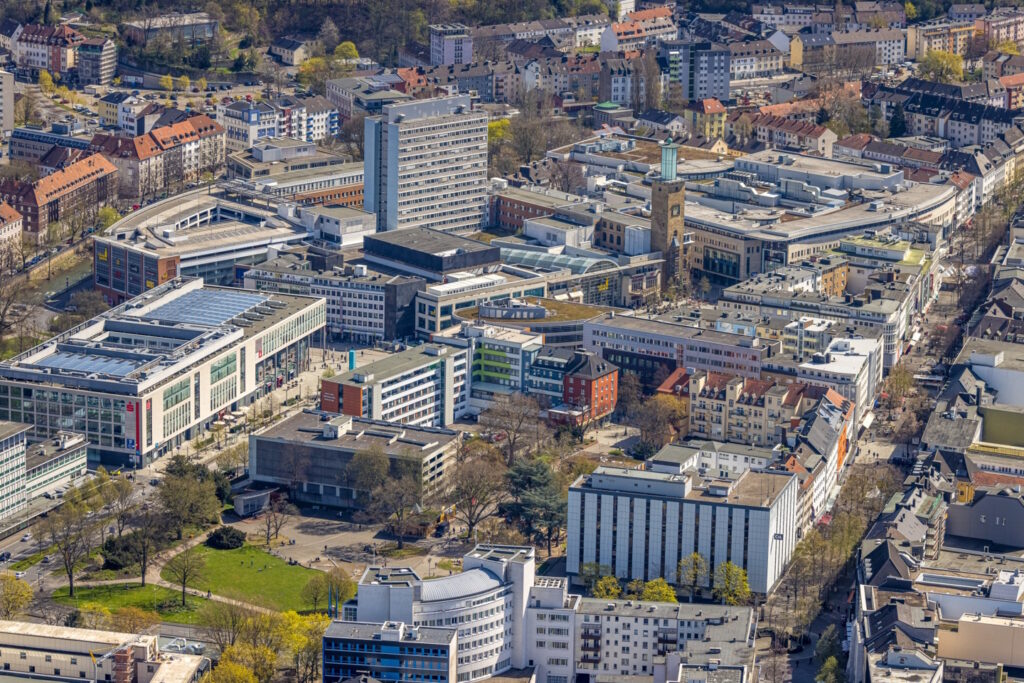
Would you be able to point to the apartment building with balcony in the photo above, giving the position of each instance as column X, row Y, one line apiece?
column 742, row 410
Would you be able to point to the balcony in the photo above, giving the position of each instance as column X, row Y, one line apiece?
column 591, row 647
column 590, row 659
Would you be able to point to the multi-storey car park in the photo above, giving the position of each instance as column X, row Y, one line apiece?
column 157, row 371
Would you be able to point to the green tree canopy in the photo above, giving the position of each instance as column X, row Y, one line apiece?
column 607, row 588
column 731, row 586
column 658, row 590
column 941, row 67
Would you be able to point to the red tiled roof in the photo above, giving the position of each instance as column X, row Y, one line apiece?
column 709, row 106
column 794, row 393
column 8, row 214
column 857, row 141
column 50, row 187
column 662, row 12
column 1014, row 81
column 678, row 378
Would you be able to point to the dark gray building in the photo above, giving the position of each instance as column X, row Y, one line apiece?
column 363, row 305
column 430, row 253
column 309, row 458
column 992, row 517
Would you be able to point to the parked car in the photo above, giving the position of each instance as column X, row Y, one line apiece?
column 19, row 575
column 5, row 555
column 26, row 537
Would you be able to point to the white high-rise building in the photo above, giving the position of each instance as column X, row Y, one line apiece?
column 426, row 165
column 640, row 524
column 6, row 103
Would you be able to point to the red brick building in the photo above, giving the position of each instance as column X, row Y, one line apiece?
column 590, row 389
column 75, row 192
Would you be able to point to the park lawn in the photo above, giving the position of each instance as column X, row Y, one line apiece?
column 163, row 601
column 240, row 574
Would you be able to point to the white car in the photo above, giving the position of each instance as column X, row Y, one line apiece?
column 26, row 538
column 19, row 575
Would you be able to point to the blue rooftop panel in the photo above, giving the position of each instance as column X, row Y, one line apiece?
column 211, row 307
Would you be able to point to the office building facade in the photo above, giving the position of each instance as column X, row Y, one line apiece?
column 155, row 372
column 392, row 651
column 641, row 523
column 426, row 385
column 426, row 165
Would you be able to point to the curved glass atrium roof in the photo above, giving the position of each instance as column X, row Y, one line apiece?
column 547, row 261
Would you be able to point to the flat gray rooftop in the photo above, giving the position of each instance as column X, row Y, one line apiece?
column 358, row 630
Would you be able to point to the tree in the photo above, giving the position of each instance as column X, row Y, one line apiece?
column 51, row 238
column 341, row 584
column 478, row 487
column 346, row 50
column 394, row 503
column 260, row 660
column 512, row 417
column 45, row 81
column 651, row 79
column 830, row 672
column 167, row 82
column 226, row 623
column 368, row 469
column 630, row 394
column 122, row 502
column 107, row 216
column 693, row 572
column 607, row 588
column 828, row 645
column 731, row 585
column 15, row 596
column 526, row 479
column 186, row 568
column 229, row 671
column 316, row 590
column 328, row 35
column 591, row 572
column 634, row 589
column 303, row 639
column 226, row 538
column 658, row 590
column 188, row 502
column 898, row 122
column 275, row 515
column 184, row 83
column 899, row 383
column 544, row 513
column 93, row 615
column 70, row 532
column 909, row 10
column 1008, row 47
column 151, row 530
column 202, row 84
column 133, row 619
column 941, row 67
column 658, row 420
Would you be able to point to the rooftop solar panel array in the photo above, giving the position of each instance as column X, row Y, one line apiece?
column 205, row 307
column 90, row 363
